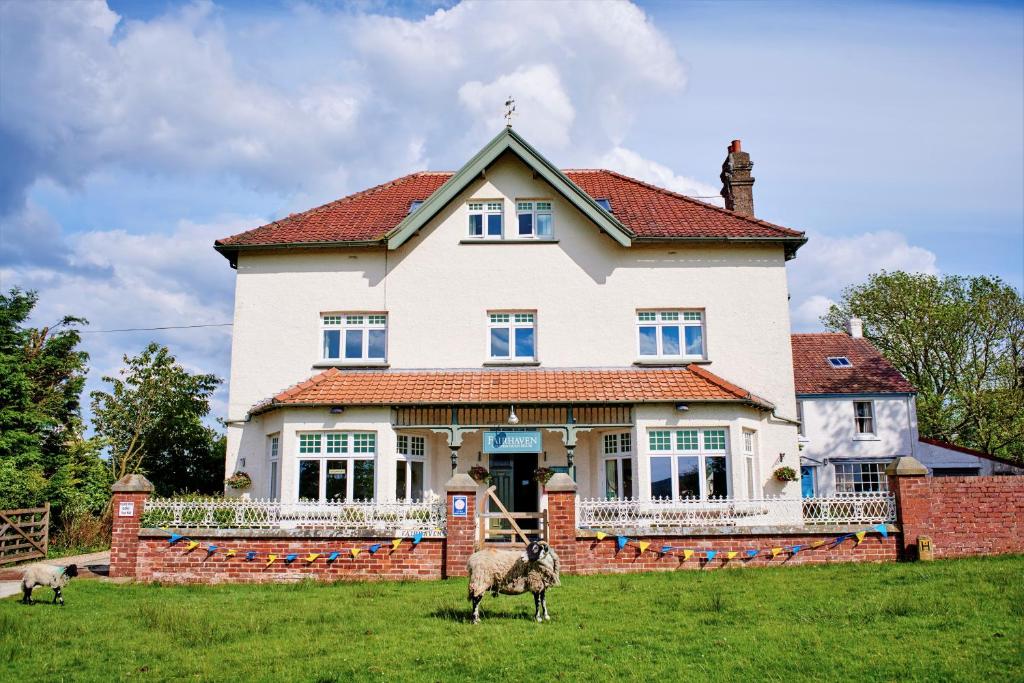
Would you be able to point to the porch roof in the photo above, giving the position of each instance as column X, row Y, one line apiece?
column 525, row 386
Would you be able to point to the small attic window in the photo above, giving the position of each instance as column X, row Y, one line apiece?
column 605, row 204
column 415, row 204
column 839, row 362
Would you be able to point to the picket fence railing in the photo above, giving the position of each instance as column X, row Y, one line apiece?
column 666, row 515
column 355, row 518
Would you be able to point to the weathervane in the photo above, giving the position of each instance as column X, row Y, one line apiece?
column 510, row 110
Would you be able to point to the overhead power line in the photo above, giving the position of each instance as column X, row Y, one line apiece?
column 149, row 329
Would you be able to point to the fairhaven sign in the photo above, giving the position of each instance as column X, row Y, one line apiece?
column 512, row 442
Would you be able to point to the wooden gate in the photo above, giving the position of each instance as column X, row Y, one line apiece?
column 491, row 528
column 24, row 534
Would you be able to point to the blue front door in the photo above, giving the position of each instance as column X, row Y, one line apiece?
column 807, row 481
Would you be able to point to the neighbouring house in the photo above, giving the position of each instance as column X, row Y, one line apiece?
column 858, row 413
column 514, row 316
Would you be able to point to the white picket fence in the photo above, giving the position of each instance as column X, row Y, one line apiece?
column 666, row 515
column 398, row 518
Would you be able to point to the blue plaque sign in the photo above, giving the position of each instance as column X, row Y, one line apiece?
column 512, row 442
column 460, row 506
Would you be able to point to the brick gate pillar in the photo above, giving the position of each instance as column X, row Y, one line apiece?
column 462, row 523
column 561, row 492
column 908, row 482
column 130, row 494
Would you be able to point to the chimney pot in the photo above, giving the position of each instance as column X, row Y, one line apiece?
column 855, row 327
column 737, row 182
column 736, row 146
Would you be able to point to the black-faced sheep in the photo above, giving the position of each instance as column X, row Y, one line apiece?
column 47, row 575
column 514, row 572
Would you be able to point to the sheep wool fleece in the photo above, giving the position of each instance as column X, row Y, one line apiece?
column 510, row 572
column 44, row 575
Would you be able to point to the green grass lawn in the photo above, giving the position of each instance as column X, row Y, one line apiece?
column 948, row 620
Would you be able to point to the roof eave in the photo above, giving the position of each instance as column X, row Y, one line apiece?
column 231, row 251
column 791, row 243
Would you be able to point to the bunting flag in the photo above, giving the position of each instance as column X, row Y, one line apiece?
column 860, row 536
column 600, row 535
column 882, row 529
column 333, row 556
column 311, row 558
column 355, row 552
column 192, row 545
column 643, row 545
column 290, row 557
column 710, row 554
column 665, row 549
column 687, row 554
column 416, row 538
column 250, row 556
column 622, row 541
column 795, row 549
column 210, row 550
column 174, row 538
column 731, row 554
column 270, row 559
column 230, row 553
column 776, row 552
column 394, row 544
column 752, row 553
column 374, row 548
column 817, row 544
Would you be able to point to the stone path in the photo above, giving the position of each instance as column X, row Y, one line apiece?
column 91, row 566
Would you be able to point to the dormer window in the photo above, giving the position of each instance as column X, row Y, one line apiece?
column 485, row 219
column 534, row 218
column 839, row 362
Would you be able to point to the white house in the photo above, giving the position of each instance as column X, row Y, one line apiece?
column 858, row 413
column 514, row 316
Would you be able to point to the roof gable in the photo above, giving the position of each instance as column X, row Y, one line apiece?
column 869, row 372
column 508, row 140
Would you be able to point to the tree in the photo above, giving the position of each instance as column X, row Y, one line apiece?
column 43, row 455
column 960, row 342
column 152, row 422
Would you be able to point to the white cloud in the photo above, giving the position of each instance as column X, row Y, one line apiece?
column 826, row 265
column 630, row 163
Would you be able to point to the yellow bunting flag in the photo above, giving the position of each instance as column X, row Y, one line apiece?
column 230, row 553
column 312, row 557
column 270, row 559
column 192, row 545
column 643, row 545
column 395, row 542
column 687, row 554
column 355, row 552
column 731, row 554
column 600, row 535
column 776, row 551
column 817, row 544
column 860, row 536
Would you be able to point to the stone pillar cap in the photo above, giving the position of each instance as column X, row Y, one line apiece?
column 461, row 482
column 906, row 466
column 560, row 481
column 132, row 483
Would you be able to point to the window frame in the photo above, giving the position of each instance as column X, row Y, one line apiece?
column 801, row 428
column 532, row 208
column 750, row 461
column 620, row 454
column 339, row 321
column 274, row 458
column 702, row 453
column 877, row 481
column 406, row 455
column 858, row 434
column 681, row 323
column 840, row 362
column 511, row 325
column 323, row 455
column 485, row 208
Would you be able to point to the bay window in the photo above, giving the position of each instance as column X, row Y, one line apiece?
column 670, row 334
column 354, row 337
column 409, row 467
column 336, row 466
column 617, row 466
column 689, row 463
column 485, row 219
column 512, row 336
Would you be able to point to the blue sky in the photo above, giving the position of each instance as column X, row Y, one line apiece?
column 134, row 133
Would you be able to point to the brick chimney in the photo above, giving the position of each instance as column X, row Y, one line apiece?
column 737, row 183
column 855, row 328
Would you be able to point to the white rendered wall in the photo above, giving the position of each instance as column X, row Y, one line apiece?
column 585, row 288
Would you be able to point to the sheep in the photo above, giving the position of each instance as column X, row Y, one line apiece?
column 513, row 572
column 47, row 575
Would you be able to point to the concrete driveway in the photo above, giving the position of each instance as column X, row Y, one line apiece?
column 91, row 566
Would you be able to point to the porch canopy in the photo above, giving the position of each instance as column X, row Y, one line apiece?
column 569, row 400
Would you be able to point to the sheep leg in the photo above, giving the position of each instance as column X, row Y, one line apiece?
column 57, row 595
column 544, row 604
column 26, row 595
column 476, row 608
column 536, row 607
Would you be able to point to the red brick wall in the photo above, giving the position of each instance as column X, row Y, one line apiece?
column 596, row 557
column 562, row 527
column 461, row 535
column 124, row 540
column 962, row 515
column 158, row 560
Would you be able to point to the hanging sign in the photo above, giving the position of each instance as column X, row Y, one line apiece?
column 512, row 442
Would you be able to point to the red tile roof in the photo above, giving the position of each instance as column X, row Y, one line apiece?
column 650, row 212
column 405, row 387
column 870, row 372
